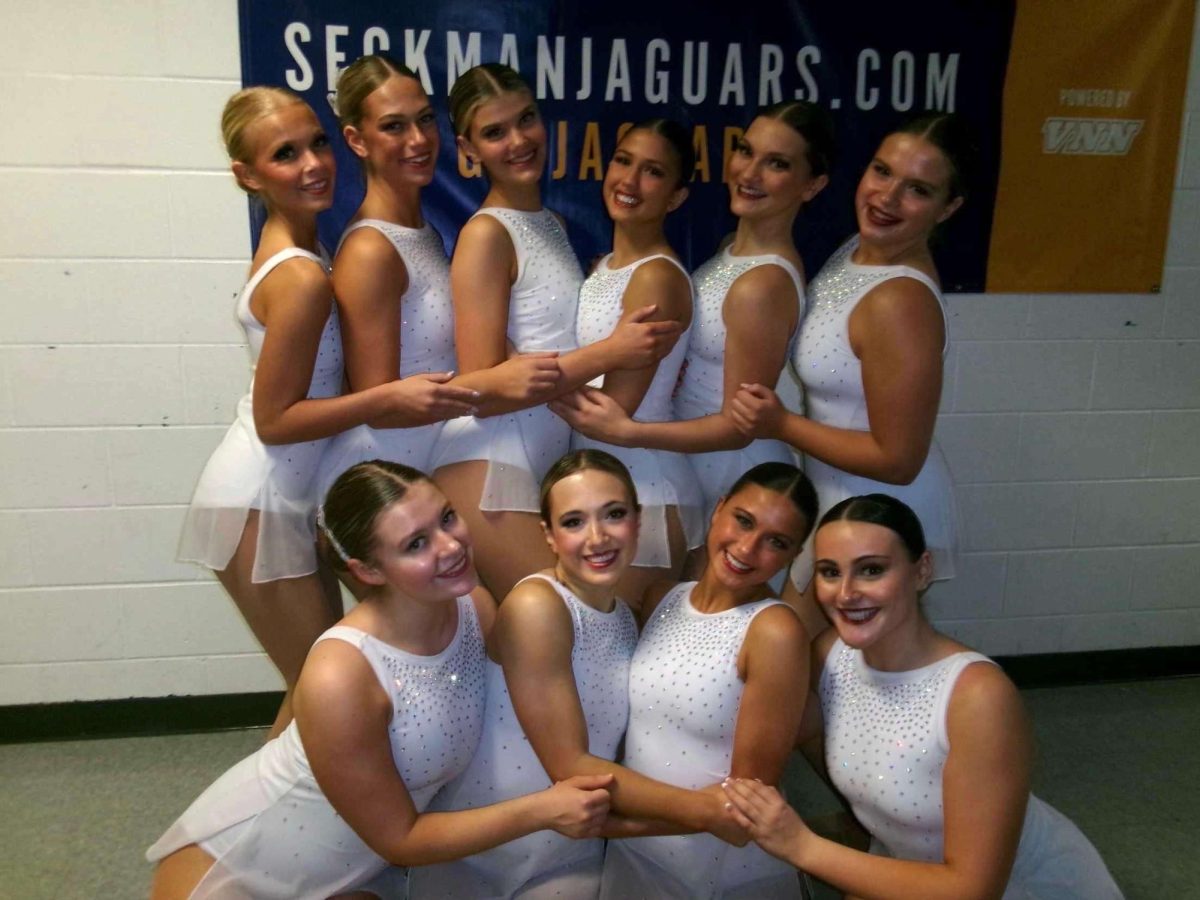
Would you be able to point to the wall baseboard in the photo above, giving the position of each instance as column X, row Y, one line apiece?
column 142, row 716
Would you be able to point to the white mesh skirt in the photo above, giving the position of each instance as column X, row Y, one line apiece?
column 519, row 449
column 245, row 474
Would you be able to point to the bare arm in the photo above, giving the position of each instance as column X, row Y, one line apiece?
column 482, row 274
column 369, row 279
column 897, row 332
column 293, row 302
column 343, row 713
column 985, row 787
column 760, row 313
column 773, row 663
column 534, row 639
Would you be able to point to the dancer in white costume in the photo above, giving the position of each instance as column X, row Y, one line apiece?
column 871, row 349
column 749, row 302
column 397, row 687
column 251, row 517
column 925, row 739
column 563, row 643
column 515, row 281
column 645, row 180
column 391, row 278
column 716, row 689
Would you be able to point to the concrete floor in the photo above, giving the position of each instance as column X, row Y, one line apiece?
column 1122, row 760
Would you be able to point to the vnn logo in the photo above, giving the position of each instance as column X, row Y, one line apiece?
column 1089, row 137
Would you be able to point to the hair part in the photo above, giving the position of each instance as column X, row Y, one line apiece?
column 811, row 122
column 476, row 86
column 788, row 480
column 677, row 138
column 361, row 79
column 886, row 511
column 353, row 504
column 583, row 461
column 951, row 134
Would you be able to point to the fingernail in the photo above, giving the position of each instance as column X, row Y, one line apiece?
column 728, row 805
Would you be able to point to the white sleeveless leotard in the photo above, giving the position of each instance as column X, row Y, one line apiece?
column 266, row 821
column 684, row 697
column 663, row 478
column 521, row 446
column 543, row 864
column 831, row 376
column 886, row 747
column 426, row 345
column 702, row 385
column 244, row 473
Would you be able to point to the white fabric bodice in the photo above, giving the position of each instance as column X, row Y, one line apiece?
column 886, row 747
column 684, row 690
column 266, row 821
column 702, row 387
column 506, row 766
column 823, row 360
column 327, row 370
column 426, row 312
column 541, row 308
column 684, row 699
column 437, row 701
column 600, row 308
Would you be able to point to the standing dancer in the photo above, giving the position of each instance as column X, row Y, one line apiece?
column 251, row 517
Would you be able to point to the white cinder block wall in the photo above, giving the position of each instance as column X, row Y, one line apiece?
column 1072, row 423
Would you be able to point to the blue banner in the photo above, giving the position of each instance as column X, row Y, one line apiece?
column 595, row 66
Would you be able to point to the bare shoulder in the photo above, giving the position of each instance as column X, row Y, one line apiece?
column 366, row 246
column 336, row 674
column 765, row 288
column 532, row 600
column 983, row 689
column 483, row 232
column 777, row 632
column 900, row 298
column 661, row 272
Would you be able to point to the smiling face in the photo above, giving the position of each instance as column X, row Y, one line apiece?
column 905, row 192
column 755, row 532
column 592, row 529
column 420, row 549
column 397, row 137
column 506, row 134
column 641, row 183
column 291, row 164
column 868, row 584
column 769, row 172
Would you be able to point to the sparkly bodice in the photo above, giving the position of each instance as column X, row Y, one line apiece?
column 437, row 701
column 702, row 387
column 604, row 645
column 426, row 313
column 327, row 369
column 600, row 309
column 541, row 309
column 886, row 745
column 823, row 360
column 684, row 690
